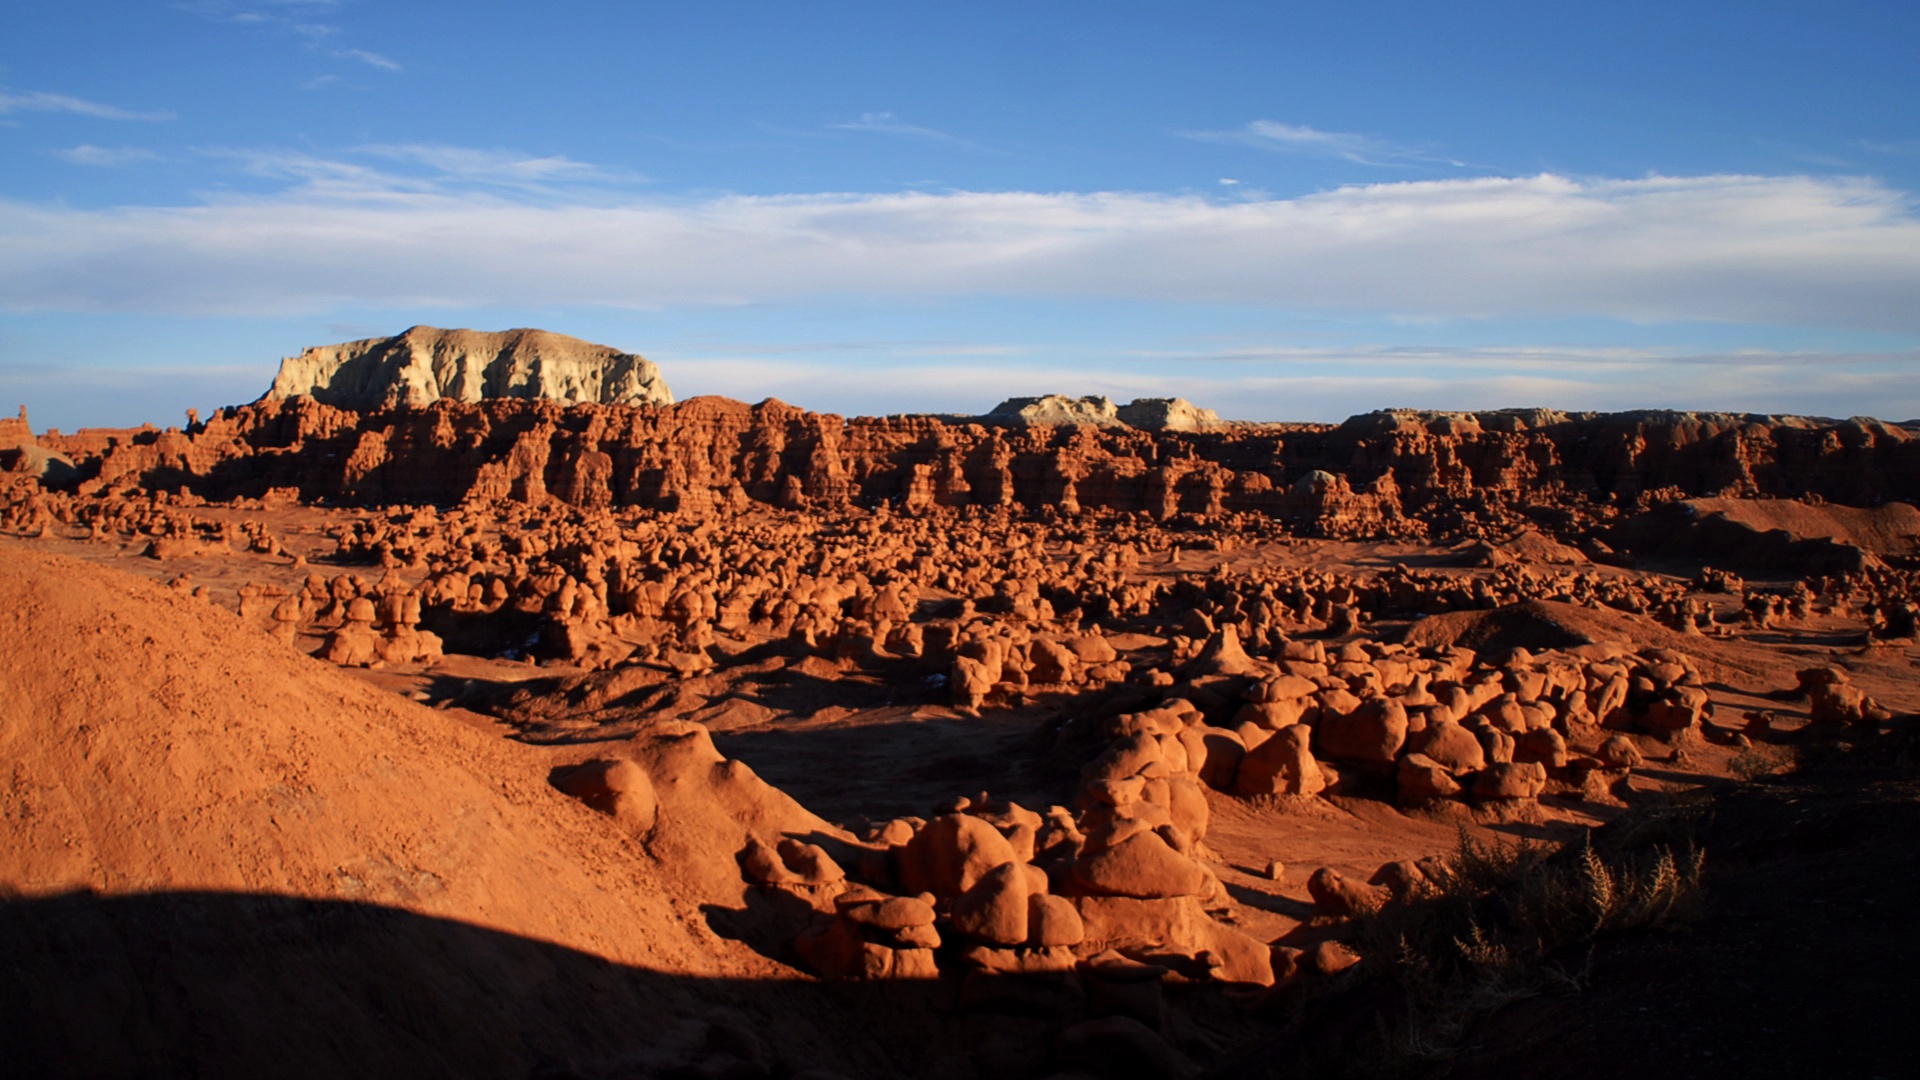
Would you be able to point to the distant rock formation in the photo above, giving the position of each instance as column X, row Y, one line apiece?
column 15, row 431
column 1147, row 414
column 1168, row 414
column 1054, row 409
column 427, row 364
column 21, row 453
column 1479, row 475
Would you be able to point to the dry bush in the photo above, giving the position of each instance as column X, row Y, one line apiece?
column 1503, row 922
column 1760, row 761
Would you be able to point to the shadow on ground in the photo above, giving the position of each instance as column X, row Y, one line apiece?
column 242, row 985
column 903, row 765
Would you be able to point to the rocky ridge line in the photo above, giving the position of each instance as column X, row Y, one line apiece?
column 1381, row 474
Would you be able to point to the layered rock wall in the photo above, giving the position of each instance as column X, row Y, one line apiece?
column 1368, row 476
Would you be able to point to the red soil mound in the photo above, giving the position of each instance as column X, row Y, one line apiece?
column 1531, row 624
column 1893, row 529
column 1773, row 536
column 181, row 791
column 1538, row 625
column 155, row 742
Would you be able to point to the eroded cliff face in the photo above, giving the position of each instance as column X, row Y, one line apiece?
column 1378, row 474
column 426, row 364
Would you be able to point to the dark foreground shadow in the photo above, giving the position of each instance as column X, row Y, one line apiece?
column 904, row 766
column 235, row 985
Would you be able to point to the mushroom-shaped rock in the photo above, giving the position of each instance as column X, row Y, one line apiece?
column 1282, row 765
column 355, row 643
column 1143, row 866
column 1224, row 750
column 903, row 922
column 1053, row 921
column 843, row 950
column 951, row 854
column 286, row 619
column 1125, row 757
column 995, row 909
column 1371, row 734
column 1187, row 806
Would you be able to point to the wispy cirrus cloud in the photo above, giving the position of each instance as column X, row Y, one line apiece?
column 503, row 167
column 43, row 102
column 298, row 18
column 475, row 231
column 367, row 57
column 885, row 123
column 106, row 157
column 407, row 172
column 1278, row 137
column 295, row 13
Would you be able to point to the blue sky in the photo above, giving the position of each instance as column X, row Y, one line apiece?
column 1281, row 211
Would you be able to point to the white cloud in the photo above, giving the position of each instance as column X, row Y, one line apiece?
column 41, row 101
column 500, row 167
column 1891, row 146
column 261, row 11
column 885, row 123
column 1740, row 248
column 1300, row 139
column 294, row 17
column 371, row 59
column 407, row 172
column 108, row 157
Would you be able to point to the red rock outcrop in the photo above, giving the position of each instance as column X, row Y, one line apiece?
column 1377, row 474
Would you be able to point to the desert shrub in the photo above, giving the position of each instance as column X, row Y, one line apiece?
column 1502, row 922
column 1759, row 761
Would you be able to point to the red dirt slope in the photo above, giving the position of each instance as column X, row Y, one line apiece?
column 216, row 851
